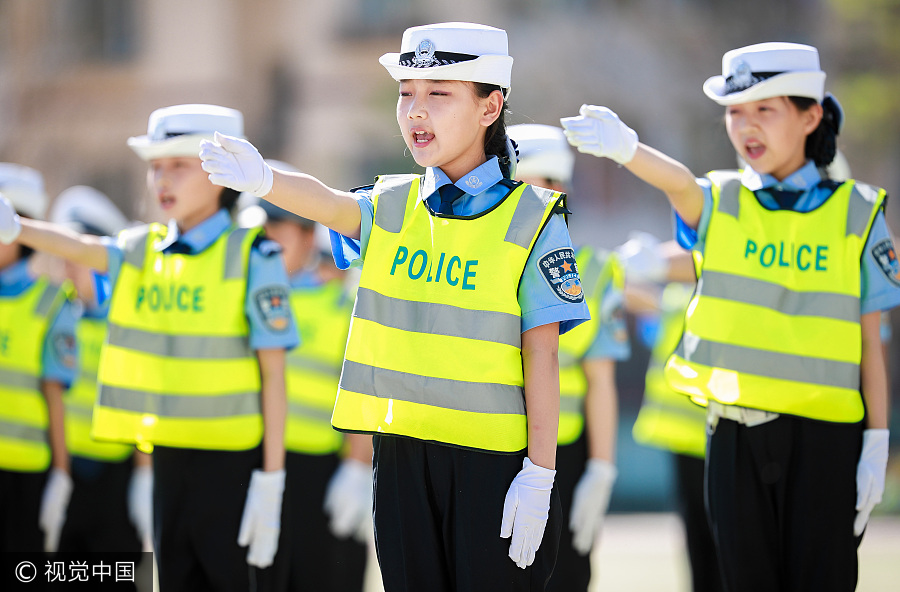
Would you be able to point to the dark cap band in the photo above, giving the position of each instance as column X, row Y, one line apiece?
column 410, row 59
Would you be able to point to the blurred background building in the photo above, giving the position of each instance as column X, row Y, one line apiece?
column 78, row 77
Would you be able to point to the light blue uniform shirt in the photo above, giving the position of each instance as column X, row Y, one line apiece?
column 59, row 353
column 879, row 281
column 265, row 276
column 539, row 303
column 611, row 341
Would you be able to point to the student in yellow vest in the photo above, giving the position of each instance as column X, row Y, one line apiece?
column 468, row 280
column 37, row 363
column 110, row 508
column 328, row 490
column 588, row 417
column 199, row 322
column 782, row 338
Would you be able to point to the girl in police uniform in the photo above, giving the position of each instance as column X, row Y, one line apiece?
column 588, row 422
column 782, row 337
column 446, row 348
column 194, row 363
column 37, row 364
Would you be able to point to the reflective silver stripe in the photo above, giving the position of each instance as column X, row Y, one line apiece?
column 529, row 214
column 773, row 364
column 477, row 397
column 79, row 410
column 776, row 297
column 862, row 200
column 18, row 379
column 590, row 275
column 698, row 416
column 438, row 319
column 729, row 195
column 567, row 359
column 134, row 245
column 47, row 299
column 85, row 376
column 301, row 410
column 15, row 431
column 179, row 405
column 393, row 193
column 179, row 346
column 234, row 260
column 571, row 404
column 317, row 366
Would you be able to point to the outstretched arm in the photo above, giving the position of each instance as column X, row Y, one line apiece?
column 236, row 163
column 600, row 132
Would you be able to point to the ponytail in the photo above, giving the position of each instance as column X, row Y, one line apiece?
column 495, row 139
column 821, row 144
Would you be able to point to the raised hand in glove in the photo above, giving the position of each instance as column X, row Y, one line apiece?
column 261, row 522
column 236, row 163
column 590, row 502
column 526, row 510
column 600, row 132
column 348, row 500
column 9, row 222
column 870, row 473
column 54, row 503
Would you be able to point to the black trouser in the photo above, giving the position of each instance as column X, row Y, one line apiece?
column 781, row 499
column 309, row 557
column 438, row 511
column 20, row 507
column 573, row 571
column 198, row 501
column 97, row 516
column 705, row 574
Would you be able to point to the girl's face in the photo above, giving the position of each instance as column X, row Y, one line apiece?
column 183, row 190
column 770, row 135
column 443, row 123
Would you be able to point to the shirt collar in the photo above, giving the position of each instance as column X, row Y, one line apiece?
column 201, row 236
column 16, row 274
column 803, row 179
column 476, row 182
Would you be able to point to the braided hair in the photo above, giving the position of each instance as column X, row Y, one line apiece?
column 495, row 139
column 821, row 144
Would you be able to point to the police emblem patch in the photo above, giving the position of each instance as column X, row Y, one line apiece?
column 886, row 256
column 65, row 349
column 273, row 304
column 560, row 271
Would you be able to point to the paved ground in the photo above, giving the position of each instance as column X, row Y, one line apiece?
column 645, row 553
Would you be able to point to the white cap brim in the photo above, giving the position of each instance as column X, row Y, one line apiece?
column 489, row 69
column 790, row 84
column 178, row 146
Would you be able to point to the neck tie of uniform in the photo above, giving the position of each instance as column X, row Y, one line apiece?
column 785, row 198
column 449, row 193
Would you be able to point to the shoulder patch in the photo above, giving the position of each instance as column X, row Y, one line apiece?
column 274, row 307
column 886, row 256
column 560, row 271
column 64, row 347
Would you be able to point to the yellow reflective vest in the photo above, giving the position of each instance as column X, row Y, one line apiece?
column 434, row 351
column 177, row 369
column 667, row 419
column 322, row 314
column 774, row 324
column 24, row 322
column 598, row 272
column 79, row 401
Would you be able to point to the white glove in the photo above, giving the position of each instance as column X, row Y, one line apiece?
column 870, row 473
column 589, row 503
column 641, row 258
column 261, row 522
column 600, row 132
column 53, row 507
column 348, row 500
column 140, row 502
column 9, row 222
column 236, row 163
column 526, row 510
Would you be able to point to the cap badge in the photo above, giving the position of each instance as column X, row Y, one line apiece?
column 742, row 76
column 424, row 57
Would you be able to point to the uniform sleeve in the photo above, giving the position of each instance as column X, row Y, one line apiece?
column 690, row 238
column 268, row 305
column 880, row 270
column 349, row 252
column 60, row 351
column 543, row 302
column 611, row 341
column 114, row 258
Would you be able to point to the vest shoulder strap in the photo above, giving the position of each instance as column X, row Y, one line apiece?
column 864, row 200
column 133, row 242
column 392, row 192
column 729, row 184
